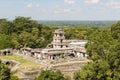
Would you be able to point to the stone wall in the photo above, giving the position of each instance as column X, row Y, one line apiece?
column 28, row 74
column 69, row 69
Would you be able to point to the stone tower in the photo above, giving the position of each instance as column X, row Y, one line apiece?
column 59, row 40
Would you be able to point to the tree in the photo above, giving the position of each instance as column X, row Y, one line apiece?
column 103, row 49
column 5, row 41
column 115, row 30
column 28, row 33
column 24, row 24
column 50, row 75
column 5, row 73
column 76, row 33
column 6, row 27
column 99, row 43
column 96, row 70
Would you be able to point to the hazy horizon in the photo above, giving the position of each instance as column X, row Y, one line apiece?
column 91, row 10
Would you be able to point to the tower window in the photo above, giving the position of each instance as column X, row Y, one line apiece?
column 61, row 40
column 61, row 46
column 61, row 35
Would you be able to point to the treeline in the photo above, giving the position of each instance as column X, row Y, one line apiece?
column 25, row 32
column 103, row 49
column 72, row 24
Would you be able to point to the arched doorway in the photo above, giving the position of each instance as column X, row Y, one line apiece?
column 4, row 53
column 71, row 55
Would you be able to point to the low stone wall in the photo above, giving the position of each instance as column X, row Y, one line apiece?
column 28, row 75
column 69, row 69
column 26, row 79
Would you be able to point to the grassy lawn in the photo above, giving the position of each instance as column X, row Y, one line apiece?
column 18, row 75
column 71, row 62
column 25, row 65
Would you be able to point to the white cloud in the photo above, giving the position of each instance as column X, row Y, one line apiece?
column 32, row 5
column 69, row 1
column 92, row 1
column 113, row 4
column 29, row 5
column 62, row 11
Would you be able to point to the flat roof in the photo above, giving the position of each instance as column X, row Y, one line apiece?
column 77, row 43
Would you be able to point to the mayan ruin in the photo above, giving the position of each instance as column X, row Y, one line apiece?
column 60, row 40
column 58, row 49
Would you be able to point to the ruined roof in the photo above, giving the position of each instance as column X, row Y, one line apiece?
column 59, row 31
column 78, row 43
column 57, row 51
column 80, row 49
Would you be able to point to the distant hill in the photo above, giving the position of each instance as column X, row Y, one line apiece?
column 77, row 23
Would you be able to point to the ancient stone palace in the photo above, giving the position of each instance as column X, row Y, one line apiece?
column 59, row 48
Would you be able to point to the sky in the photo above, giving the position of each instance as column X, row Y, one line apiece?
column 61, row 9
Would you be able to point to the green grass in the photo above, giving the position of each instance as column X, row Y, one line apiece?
column 25, row 65
column 71, row 62
column 18, row 75
column 19, row 59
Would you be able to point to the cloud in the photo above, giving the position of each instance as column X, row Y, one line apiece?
column 29, row 5
column 113, row 4
column 32, row 5
column 92, row 1
column 69, row 1
column 62, row 11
